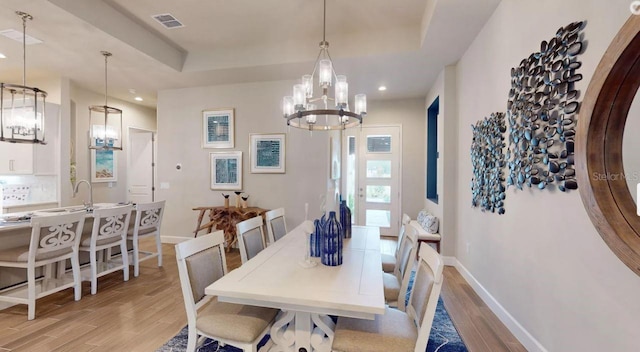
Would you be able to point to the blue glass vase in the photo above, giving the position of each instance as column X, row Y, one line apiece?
column 331, row 246
column 345, row 219
column 315, row 239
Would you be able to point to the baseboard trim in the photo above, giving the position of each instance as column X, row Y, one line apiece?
column 526, row 339
column 174, row 239
column 450, row 261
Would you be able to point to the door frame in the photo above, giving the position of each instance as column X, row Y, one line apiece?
column 154, row 148
column 345, row 155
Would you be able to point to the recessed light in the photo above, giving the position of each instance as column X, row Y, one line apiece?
column 138, row 98
column 382, row 88
column 2, row 56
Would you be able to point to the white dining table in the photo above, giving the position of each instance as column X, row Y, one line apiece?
column 278, row 277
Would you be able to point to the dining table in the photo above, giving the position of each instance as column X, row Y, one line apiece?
column 307, row 292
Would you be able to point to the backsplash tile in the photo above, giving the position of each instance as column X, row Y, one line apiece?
column 28, row 189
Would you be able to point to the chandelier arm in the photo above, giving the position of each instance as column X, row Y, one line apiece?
column 335, row 76
column 315, row 66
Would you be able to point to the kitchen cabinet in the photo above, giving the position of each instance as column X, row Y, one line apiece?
column 16, row 158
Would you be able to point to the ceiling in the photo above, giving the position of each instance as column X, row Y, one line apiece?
column 400, row 44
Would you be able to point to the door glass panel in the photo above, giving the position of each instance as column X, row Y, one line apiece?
column 379, row 218
column 379, row 194
column 378, row 168
column 379, row 144
column 351, row 176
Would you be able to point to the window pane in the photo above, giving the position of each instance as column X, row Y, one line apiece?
column 379, row 144
column 380, row 218
column 379, row 194
column 378, row 168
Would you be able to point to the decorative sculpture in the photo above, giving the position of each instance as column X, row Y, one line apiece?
column 487, row 160
column 541, row 112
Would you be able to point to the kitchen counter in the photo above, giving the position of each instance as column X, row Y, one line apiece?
column 19, row 220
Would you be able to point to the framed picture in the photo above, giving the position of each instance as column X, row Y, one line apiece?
column 104, row 166
column 226, row 170
column 218, row 128
column 267, row 153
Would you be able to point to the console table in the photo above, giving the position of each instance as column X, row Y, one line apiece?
column 225, row 218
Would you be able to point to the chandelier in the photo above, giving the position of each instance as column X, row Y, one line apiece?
column 303, row 110
column 22, row 108
column 105, row 122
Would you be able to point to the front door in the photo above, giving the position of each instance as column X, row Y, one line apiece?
column 372, row 177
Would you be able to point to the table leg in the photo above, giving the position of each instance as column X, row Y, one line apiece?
column 302, row 332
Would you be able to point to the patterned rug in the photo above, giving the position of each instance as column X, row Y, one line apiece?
column 444, row 336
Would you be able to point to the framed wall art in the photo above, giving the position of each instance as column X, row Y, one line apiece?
column 226, row 170
column 267, row 153
column 218, row 128
column 104, row 166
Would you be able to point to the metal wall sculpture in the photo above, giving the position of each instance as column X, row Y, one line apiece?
column 488, row 161
column 541, row 112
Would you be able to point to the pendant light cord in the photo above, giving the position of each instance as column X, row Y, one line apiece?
column 324, row 23
column 105, row 79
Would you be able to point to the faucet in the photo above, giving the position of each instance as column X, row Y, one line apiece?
column 89, row 206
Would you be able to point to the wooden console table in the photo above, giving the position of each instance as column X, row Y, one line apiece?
column 225, row 219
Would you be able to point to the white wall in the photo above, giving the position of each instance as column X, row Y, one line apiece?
column 257, row 110
column 133, row 115
column 445, row 89
column 543, row 261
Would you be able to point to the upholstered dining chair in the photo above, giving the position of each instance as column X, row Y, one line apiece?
column 146, row 224
column 250, row 237
column 396, row 330
column 389, row 260
column 396, row 284
column 276, row 224
column 54, row 238
column 109, row 230
column 201, row 261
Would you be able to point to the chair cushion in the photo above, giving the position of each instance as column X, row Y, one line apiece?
column 21, row 254
column 85, row 241
column 388, row 263
column 394, row 331
column 391, row 287
column 141, row 233
column 423, row 234
column 235, row 322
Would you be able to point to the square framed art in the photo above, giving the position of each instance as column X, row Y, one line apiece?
column 226, row 170
column 218, row 128
column 268, row 153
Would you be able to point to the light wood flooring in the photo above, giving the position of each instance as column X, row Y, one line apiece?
column 145, row 312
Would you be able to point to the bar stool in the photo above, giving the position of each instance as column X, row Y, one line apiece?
column 147, row 224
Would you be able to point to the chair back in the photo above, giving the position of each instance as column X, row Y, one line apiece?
column 148, row 218
column 404, row 263
column 55, row 236
column 405, row 222
column 425, row 292
column 276, row 224
column 201, row 261
column 110, row 225
column 250, row 237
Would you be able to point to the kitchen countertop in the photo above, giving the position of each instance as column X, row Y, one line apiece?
column 18, row 220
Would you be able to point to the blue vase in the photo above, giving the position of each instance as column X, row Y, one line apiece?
column 345, row 219
column 315, row 239
column 331, row 246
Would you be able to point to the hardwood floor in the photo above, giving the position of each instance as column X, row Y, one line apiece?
column 145, row 312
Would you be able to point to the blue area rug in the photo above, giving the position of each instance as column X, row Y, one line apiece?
column 444, row 336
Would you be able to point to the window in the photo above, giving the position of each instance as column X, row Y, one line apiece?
column 432, row 150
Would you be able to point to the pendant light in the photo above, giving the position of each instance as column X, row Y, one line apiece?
column 105, row 122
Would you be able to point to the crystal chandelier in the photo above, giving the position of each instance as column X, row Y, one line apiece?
column 105, row 122
column 303, row 110
column 22, row 108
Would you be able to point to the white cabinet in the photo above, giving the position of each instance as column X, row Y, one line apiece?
column 16, row 158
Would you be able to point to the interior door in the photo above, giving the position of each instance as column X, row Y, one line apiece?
column 372, row 176
column 140, row 171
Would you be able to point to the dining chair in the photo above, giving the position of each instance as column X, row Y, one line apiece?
column 389, row 260
column 146, row 224
column 396, row 284
column 276, row 224
column 54, row 238
column 250, row 237
column 109, row 230
column 201, row 261
column 397, row 330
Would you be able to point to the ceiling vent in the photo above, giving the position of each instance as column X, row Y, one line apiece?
column 168, row 21
column 17, row 36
